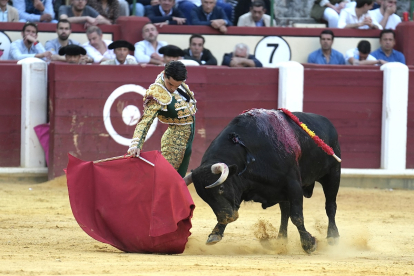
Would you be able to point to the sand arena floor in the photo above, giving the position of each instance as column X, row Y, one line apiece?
column 39, row 236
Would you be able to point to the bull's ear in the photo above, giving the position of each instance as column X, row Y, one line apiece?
column 232, row 169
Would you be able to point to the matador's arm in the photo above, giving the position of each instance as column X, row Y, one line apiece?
column 150, row 113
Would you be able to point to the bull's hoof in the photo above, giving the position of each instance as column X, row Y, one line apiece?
column 309, row 247
column 213, row 239
column 332, row 240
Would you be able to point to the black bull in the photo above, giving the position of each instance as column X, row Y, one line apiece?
column 264, row 156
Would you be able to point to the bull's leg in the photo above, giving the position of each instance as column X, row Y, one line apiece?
column 330, row 185
column 296, row 215
column 284, row 219
column 217, row 234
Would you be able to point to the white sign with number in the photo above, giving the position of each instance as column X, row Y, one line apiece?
column 272, row 50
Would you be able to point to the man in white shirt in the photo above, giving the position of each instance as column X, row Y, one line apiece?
column 146, row 51
column 97, row 48
column 358, row 18
column 361, row 55
column 385, row 15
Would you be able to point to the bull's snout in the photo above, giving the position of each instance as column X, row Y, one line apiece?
column 227, row 217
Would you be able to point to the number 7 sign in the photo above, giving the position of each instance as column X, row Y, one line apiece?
column 272, row 50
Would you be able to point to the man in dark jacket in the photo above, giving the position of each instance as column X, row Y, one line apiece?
column 198, row 53
column 208, row 14
column 241, row 57
column 166, row 14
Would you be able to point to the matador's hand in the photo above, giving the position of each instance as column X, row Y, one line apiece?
column 134, row 151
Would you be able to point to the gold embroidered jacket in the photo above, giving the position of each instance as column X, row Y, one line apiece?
column 170, row 108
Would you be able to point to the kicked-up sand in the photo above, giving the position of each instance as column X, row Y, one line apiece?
column 39, row 236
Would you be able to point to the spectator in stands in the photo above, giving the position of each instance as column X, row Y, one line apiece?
column 243, row 6
column 241, row 58
column 73, row 54
column 198, row 53
column 385, row 15
column 146, row 51
column 97, row 48
column 28, row 46
column 326, row 55
column 107, row 8
column 386, row 52
column 328, row 10
column 140, row 6
column 361, row 55
column 209, row 14
column 35, row 10
column 121, row 49
column 165, row 13
column 79, row 12
column 256, row 17
column 170, row 53
column 7, row 12
column 63, row 30
column 186, row 6
column 358, row 18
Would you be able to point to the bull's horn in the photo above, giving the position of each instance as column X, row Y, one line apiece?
column 188, row 179
column 216, row 169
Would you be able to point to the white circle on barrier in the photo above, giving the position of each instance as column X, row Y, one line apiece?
column 272, row 50
column 130, row 114
column 5, row 43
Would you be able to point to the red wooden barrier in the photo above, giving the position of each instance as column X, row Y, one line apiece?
column 351, row 97
column 10, row 114
column 78, row 95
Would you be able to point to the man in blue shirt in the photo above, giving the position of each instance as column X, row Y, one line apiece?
column 326, row 55
column 386, row 52
column 28, row 46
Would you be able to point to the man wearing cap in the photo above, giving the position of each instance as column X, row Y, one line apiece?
column 74, row 54
column 171, row 52
column 121, row 49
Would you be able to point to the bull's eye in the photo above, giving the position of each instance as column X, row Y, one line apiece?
column 221, row 189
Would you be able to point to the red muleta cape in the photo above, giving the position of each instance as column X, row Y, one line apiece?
column 130, row 204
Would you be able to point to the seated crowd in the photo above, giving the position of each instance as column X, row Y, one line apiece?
column 150, row 50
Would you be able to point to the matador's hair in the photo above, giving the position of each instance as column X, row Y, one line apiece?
column 176, row 70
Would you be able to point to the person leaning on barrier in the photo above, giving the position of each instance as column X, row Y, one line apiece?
column 166, row 14
column 121, row 50
column 361, row 55
column 7, row 12
column 357, row 17
column 385, row 14
column 328, row 10
column 171, row 101
column 74, row 54
column 63, row 31
column 171, row 53
column 256, row 17
column 107, row 8
column 198, row 53
column 35, row 10
column 208, row 14
column 241, row 57
column 97, row 48
column 29, row 46
column 386, row 52
column 325, row 54
column 146, row 51
column 80, row 12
